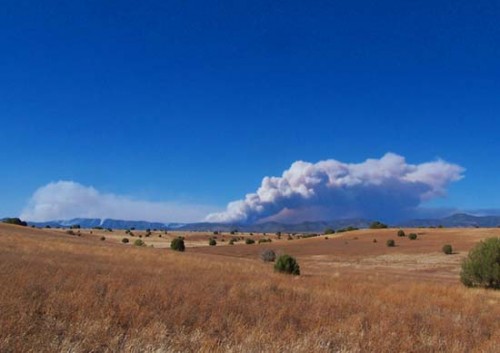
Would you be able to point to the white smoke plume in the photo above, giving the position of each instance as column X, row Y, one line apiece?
column 386, row 188
column 64, row 200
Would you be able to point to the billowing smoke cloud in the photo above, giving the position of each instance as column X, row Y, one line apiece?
column 387, row 188
column 66, row 199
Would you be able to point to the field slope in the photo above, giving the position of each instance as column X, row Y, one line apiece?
column 80, row 294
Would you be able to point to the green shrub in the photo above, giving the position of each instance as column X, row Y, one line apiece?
column 124, row 240
column 412, row 236
column 447, row 249
column 264, row 240
column 70, row 232
column 177, row 244
column 212, row 242
column 103, row 238
column 287, row 264
column 401, row 233
column 390, row 243
column 268, row 255
column 249, row 241
column 139, row 242
column 481, row 268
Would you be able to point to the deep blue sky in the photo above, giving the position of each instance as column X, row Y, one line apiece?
column 198, row 100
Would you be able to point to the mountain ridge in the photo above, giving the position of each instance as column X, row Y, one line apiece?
column 455, row 220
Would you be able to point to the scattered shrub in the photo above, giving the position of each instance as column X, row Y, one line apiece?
column 124, row 240
column 231, row 242
column 70, row 232
column 103, row 238
column 329, row 231
column 139, row 242
column 401, row 233
column 287, row 264
column 374, row 240
column 447, row 249
column 412, row 236
column 268, row 255
column 390, row 243
column 212, row 242
column 264, row 240
column 177, row 244
column 481, row 268
column 249, row 241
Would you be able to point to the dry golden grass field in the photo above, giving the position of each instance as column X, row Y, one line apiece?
column 70, row 293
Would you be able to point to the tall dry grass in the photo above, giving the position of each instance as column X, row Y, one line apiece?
column 61, row 293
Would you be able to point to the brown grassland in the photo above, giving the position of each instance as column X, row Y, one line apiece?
column 63, row 293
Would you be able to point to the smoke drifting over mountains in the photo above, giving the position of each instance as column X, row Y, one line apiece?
column 67, row 199
column 385, row 188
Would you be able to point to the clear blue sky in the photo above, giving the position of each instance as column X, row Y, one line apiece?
column 199, row 100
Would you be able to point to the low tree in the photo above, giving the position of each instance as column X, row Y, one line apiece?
column 287, row 264
column 401, row 233
column 177, row 244
column 481, row 268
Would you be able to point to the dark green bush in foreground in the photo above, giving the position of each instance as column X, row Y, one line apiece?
column 287, row 264
column 481, row 268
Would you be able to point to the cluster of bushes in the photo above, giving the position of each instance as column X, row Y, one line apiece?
column 310, row 235
column 264, row 240
column 15, row 221
column 377, row 225
column 329, row 231
column 411, row 236
column 284, row 263
column 346, row 229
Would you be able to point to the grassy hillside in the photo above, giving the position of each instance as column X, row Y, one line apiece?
column 80, row 294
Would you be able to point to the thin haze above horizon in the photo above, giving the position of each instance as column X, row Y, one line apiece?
column 246, row 111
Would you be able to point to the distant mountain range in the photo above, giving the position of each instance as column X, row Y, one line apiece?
column 456, row 220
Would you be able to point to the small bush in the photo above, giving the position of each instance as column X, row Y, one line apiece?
column 103, row 238
column 264, row 240
column 374, row 240
column 481, row 268
column 401, row 233
column 249, row 241
column 124, row 240
column 412, row 236
column 329, row 231
column 287, row 264
column 231, row 242
column 212, row 242
column 390, row 243
column 177, row 244
column 70, row 232
column 268, row 255
column 139, row 242
column 447, row 249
